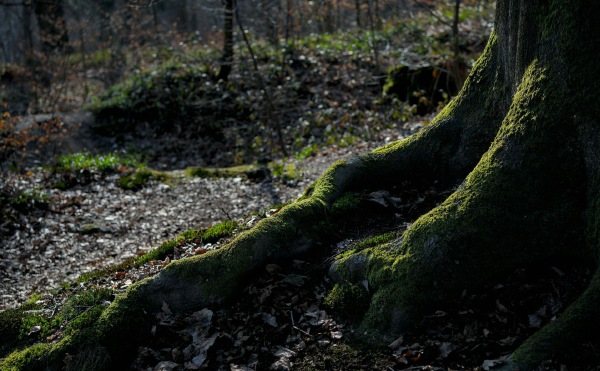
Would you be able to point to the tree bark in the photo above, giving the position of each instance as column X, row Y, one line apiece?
column 521, row 143
column 227, row 56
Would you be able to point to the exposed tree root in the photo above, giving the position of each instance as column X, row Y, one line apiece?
column 521, row 139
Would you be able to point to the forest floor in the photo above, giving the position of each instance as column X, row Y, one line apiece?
column 331, row 108
column 97, row 224
column 279, row 321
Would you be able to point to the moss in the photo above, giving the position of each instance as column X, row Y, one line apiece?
column 61, row 185
column 216, row 275
column 106, row 271
column 347, row 203
column 350, row 301
column 244, row 171
column 464, row 239
column 561, row 337
column 140, row 178
column 31, row 358
column 167, row 247
column 375, row 240
column 221, row 230
column 286, row 172
column 15, row 324
column 90, row 358
column 80, row 314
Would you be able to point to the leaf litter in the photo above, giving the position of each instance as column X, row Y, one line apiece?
column 279, row 321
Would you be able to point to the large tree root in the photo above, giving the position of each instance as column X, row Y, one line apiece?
column 522, row 141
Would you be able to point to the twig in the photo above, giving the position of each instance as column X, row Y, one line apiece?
column 226, row 213
column 302, row 331
column 434, row 14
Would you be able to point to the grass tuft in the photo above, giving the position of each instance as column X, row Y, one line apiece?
column 104, row 163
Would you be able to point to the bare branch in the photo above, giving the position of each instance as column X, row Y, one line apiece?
column 434, row 14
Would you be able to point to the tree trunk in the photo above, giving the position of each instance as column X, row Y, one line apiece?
column 227, row 56
column 357, row 12
column 522, row 141
column 52, row 24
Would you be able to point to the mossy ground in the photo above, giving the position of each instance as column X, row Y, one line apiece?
column 139, row 178
column 81, row 316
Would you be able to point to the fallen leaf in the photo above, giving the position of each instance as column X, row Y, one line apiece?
column 535, row 320
column 445, row 349
column 501, row 307
column 336, row 335
column 396, row 343
column 491, row 363
column 272, row 268
column 269, row 319
column 34, row 330
column 165, row 366
column 165, row 308
column 294, row 279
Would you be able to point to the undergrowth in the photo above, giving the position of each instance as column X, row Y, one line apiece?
column 85, row 161
column 300, row 97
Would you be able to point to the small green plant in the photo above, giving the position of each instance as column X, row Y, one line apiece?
column 85, row 161
column 306, row 152
column 29, row 199
column 286, row 172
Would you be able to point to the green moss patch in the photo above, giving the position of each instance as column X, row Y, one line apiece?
column 197, row 236
column 140, row 178
column 219, row 231
column 244, row 171
column 30, row 322
column 349, row 301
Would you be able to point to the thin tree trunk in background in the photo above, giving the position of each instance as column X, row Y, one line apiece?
column 372, row 40
column 378, row 24
column 105, row 9
column 338, row 15
column 357, row 9
column 455, row 29
column 53, row 28
column 155, row 21
column 457, row 59
column 288, row 20
column 28, row 34
column 227, row 56
column 182, row 18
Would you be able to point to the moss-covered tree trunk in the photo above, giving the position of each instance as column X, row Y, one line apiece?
column 521, row 141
